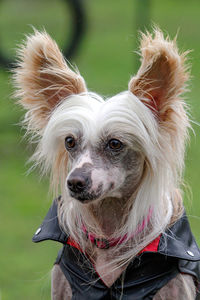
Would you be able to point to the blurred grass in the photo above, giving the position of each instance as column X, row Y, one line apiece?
column 106, row 60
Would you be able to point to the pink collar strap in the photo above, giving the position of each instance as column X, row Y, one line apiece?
column 103, row 243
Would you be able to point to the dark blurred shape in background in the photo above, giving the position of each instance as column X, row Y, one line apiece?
column 78, row 19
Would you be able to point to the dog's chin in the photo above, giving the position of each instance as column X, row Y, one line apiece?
column 85, row 197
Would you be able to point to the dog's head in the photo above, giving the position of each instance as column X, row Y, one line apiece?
column 104, row 141
column 105, row 148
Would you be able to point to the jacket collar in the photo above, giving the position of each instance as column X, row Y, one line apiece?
column 50, row 228
column 178, row 241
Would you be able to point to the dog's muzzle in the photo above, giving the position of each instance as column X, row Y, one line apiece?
column 79, row 186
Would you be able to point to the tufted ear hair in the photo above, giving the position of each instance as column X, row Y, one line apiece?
column 43, row 79
column 162, row 76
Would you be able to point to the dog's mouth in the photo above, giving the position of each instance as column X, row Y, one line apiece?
column 85, row 197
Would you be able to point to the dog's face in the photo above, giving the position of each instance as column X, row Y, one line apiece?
column 102, row 170
column 106, row 169
column 105, row 155
column 105, row 143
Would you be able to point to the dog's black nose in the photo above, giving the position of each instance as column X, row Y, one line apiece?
column 77, row 184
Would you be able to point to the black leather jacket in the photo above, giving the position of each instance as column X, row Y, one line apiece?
column 145, row 275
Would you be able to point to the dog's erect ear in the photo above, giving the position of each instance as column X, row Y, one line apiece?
column 162, row 74
column 43, row 79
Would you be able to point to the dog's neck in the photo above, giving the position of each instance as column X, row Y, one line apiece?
column 108, row 215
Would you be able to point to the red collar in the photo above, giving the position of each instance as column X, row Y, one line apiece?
column 103, row 243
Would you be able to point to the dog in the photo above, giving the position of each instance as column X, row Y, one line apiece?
column 118, row 165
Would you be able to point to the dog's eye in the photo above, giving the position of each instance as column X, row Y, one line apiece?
column 115, row 144
column 70, row 142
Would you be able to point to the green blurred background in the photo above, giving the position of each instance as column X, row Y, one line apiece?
column 106, row 59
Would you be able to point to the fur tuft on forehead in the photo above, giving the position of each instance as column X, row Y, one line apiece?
column 89, row 118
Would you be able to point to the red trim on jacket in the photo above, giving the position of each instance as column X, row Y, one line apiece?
column 74, row 244
column 151, row 247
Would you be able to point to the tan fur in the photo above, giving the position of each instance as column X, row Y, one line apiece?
column 59, row 168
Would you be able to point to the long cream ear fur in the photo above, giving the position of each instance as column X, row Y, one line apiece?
column 162, row 76
column 43, row 79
